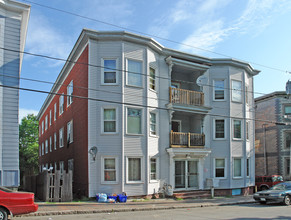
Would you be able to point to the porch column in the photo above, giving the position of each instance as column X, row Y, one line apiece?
column 172, row 170
column 201, row 173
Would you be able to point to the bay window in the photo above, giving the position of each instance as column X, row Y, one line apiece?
column 109, row 120
column 134, row 71
column 134, row 169
column 134, row 121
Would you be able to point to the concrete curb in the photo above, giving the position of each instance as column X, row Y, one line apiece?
column 111, row 210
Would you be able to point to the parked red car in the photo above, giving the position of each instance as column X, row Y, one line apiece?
column 15, row 203
column 266, row 182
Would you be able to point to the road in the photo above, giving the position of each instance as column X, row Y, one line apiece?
column 236, row 212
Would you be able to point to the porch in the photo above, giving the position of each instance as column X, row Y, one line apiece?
column 186, row 97
column 191, row 140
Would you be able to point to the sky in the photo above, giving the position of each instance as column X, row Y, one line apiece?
column 254, row 31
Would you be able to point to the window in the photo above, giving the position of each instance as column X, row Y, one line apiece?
column 287, row 110
column 42, row 127
column 153, row 123
column 39, row 132
column 218, row 89
column 237, row 129
column 237, row 167
column 153, row 174
column 133, row 121
column 61, row 104
column 219, row 128
column 71, row 167
column 55, row 141
column 247, row 95
column 247, row 130
column 51, row 143
column 109, row 169
column 134, row 71
column 70, row 93
column 287, row 139
column 46, row 146
column 220, row 168
column 152, row 78
column 55, row 111
column 109, row 120
column 287, row 166
column 62, row 166
column 109, row 75
column 50, row 117
column 248, row 167
column 39, row 149
column 61, row 137
column 42, row 148
column 236, row 91
column 134, row 169
column 46, row 122
column 70, row 132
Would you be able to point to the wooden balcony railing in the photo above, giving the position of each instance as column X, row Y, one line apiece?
column 186, row 97
column 179, row 139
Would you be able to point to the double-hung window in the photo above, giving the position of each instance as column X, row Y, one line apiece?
column 153, row 123
column 42, row 148
column 218, row 89
column 61, row 137
column 247, row 130
column 61, row 104
column 70, row 132
column 109, row 120
column 42, row 127
column 237, row 171
column 134, row 73
column 236, row 91
column 50, row 117
column 46, row 146
column 219, row 129
column 134, row 169
column 46, row 122
column 237, row 128
column 55, row 140
column 70, row 93
column 153, row 173
column 248, row 167
column 109, row 170
column 51, row 143
column 220, row 168
column 55, row 111
column 134, row 121
column 152, row 78
column 109, row 75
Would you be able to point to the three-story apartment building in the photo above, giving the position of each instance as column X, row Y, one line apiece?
column 129, row 115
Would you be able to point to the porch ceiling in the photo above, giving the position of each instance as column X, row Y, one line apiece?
column 193, row 152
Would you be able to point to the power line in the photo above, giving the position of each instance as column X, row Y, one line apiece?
column 130, row 104
column 150, row 35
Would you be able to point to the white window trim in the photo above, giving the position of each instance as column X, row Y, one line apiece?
column 102, row 71
column 60, row 142
column 63, row 104
column 241, row 168
column 157, row 170
column 214, row 128
column 42, row 127
column 142, row 121
column 50, row 118
column 141, row 171
column 142, row 85
column 241, row 91
column 225, row 168
column 224, row 91
column 157, row 123
column 247, row 130
column 46, row 123
column 116, row 169
column 116, row 119
column 247, row 94
column 69, row 96
column 71, row 132
column 155, row 68
column 241, row 129
column 55, row 111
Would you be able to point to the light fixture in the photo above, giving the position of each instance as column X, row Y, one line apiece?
column 188, row 156
column 93, row 151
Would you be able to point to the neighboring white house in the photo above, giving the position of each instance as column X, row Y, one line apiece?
column 150, row 121
column 13, row 26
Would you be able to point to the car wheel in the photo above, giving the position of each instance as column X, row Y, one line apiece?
column 264, row 188
column 287, row 200
column 3, row 214
column 263, row 202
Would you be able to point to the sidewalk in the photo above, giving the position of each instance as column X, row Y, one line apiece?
column 47, row 209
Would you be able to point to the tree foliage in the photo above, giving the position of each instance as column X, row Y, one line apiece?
column 28, row 145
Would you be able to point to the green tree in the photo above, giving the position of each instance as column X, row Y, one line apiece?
column 28, row 145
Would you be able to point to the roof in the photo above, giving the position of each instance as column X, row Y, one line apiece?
column 270, row 95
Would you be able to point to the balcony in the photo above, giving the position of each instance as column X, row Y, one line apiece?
column 190, row 140
column 186, row 97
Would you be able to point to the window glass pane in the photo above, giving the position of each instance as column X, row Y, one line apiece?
column 219, row 163
column 109, row 163
column 153, row 169
column 236, row 128
column 287, row 139
column 134, row 73
column 109, row 169
column 109, row 65
column 153, row 123
column 219, row 167
column 219, row 89
column 134, row 121
column 109, row 114
column 248, row 167
column 287, row 110
column 219, row 128
column 152, row 78
column 109, row 120
column 237, row 167
column 134, row 169
column 236, row 91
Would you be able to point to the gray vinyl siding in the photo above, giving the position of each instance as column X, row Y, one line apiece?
column 9, row 99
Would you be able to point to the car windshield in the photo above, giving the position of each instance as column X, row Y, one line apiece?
column 281, row 186
column 277, row 178
column 5, row 189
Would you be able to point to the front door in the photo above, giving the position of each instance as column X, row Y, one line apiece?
column 186, row 174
